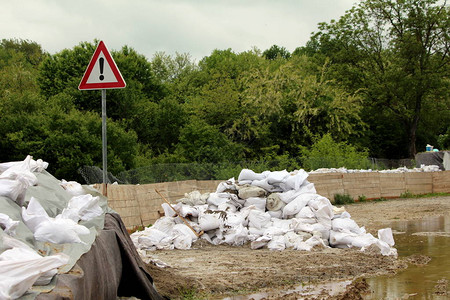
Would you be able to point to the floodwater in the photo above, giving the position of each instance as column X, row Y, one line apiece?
column 429, row 237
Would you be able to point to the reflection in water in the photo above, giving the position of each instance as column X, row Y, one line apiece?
column 419, row 281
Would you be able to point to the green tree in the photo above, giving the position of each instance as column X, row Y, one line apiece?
column 327, row 153
column 398, row 51
column 62, row 73
column 275, row 52
column 201, row 142
column 291, row 104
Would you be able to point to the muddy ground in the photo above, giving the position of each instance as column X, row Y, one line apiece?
column 217, row 272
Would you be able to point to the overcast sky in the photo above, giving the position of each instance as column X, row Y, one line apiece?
column 196, row 27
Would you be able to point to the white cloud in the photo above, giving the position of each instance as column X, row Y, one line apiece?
column 193, row 26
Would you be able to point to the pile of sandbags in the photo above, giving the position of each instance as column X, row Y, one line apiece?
column 21, row 263
column 422, row 168
column 277, row 210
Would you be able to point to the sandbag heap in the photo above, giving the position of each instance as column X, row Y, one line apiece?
column 273, row 209
column 422, row 168
column 26, row 226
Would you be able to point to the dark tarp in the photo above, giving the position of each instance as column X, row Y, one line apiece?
column 431, row 158
column 111, row 268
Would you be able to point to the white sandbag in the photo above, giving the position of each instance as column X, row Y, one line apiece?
column 322, row 229
column 339, row 213
column 318, row 202
column 297, row 225
column 344, row 224
column 288, row 196
column 256, row 232
column 38, row 165
column 34, row 214
column 12, row 188
column 152, row 237
column 251, row 191
column 21, row 172
column 263, row 183
column 297, row 204
column 227, row 207
column 232, row 220
column 363, row 240
column 218, row 198
column 182, row 242
column 274, row 231
column 259, row 203
column 32, row 165
column 386, row 236
column 291, row 239
column 295, row 180
column 281, row 223
column 83, row 207
column 324, row 215
column 310, row 243
column 60, row 231
column 194, row 198
column 277, row 177
column 236, row 236
column 183, row 229
column 168, row 211
column 226, row 186
column 277, row 243
column 260, row 242
column 349, row 239
column 306, row 213
column 274, row 203
column 258, row 219
column 7, row 224
column 275, row 214
column 18, row 254
column 209, row 220
column 16, row 277
column 307, row 187
column 187, row 210
column 73, row 187
column 164, row 224
column 247, row 174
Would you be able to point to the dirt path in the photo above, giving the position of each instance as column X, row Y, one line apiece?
column 214, row 272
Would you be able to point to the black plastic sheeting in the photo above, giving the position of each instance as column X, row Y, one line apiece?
column 431, row 158
column 111, row 268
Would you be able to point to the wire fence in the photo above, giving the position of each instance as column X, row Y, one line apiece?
column 221, row 171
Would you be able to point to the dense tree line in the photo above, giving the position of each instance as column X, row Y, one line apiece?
column 376, row 80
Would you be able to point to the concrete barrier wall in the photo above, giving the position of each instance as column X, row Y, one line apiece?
column 140, row 205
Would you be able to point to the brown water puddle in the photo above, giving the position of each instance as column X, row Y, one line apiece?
column 426, row 238
column 419, row 240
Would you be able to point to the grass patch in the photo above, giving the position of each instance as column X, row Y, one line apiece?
column 408, row 194
column 380, row 199
column 341, row 199
column 362, row 198
column 191, row 293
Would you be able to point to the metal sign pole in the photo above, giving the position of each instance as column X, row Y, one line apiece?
column 104, row 149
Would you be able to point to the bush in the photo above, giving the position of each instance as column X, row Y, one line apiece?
column 340, row 199
column 327, row 153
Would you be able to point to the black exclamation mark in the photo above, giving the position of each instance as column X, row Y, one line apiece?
column 101, row 61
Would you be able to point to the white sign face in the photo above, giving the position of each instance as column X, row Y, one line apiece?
column 102, row 72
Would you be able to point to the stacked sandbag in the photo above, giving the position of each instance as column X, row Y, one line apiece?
column 277, row 210
column 22, row 266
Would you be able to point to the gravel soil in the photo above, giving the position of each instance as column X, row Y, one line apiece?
column 217, row 272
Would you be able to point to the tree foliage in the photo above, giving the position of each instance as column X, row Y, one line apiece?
column 398, row 51
column 375, row 82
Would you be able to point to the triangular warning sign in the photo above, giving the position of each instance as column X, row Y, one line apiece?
column 102, row 72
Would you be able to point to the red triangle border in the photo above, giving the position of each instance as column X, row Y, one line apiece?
column 102, row 85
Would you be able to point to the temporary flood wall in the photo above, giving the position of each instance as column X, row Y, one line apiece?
column 140, row 205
